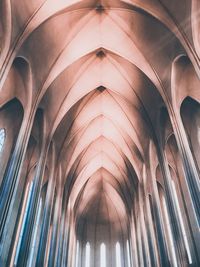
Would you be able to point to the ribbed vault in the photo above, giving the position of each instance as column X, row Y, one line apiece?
column 98, row 74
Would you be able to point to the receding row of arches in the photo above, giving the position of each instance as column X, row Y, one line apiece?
column 173, row 157
column 99, row 134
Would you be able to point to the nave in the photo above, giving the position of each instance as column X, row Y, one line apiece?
column 99, row 133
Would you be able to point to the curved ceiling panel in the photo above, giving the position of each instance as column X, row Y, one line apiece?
column 97, row 74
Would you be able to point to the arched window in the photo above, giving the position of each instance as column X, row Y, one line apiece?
column 2, row 138
column 87, row 255
column 118, row 255
column 103, row 255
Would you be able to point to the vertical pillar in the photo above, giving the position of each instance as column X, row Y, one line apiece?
column 37, row 229
column 11, row 191
column 34, row 203
column 63, row 235
column 151, row 239
column 143, row 229
column 69, row 247
column 62, row 231
column 66, row 238
column 156, row 209
column 177, row 233
column 139, row 243
column 47, row 212
column 151, row 234
column 191, row 222
column 189, row 165
column 56, row 224
column 134, row 247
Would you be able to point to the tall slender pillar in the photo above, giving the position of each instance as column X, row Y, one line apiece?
column 189, row 165
column 60, row 241
column 156, row 209
column 179, row 244
column 34, row 204
column 139, row 243
column 143, row 229
column 134, row 250
column 148, row 221
column 47, row 212
column 150, row 233
column 65, row 248
column 62, row 230
column 11, row 191
column 56, row 223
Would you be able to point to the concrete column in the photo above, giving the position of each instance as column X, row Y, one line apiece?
column 65, row 248
column 11, row 191
column 34, row 203
column 134, row 247
column 143, row 229
column 175, row 224
column 188, row 215
column 148, row 222
column 37, row 227
column 189, row 165
column 139, row 243
column 47, row 212
column 159, row 226
column 150, row 233
column 69, row 244
column 61, row 233
column 56, row 224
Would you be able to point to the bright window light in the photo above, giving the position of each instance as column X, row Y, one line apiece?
column 87, row 255
column 77, row 253
column 182, row 224
column 128, row 254
column 2, row 138
column 103, row 255
column 118, row 255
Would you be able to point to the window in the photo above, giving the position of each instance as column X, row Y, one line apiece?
column 87, row 255
column 118, row 255
column 103, row 255
column 77, row 253
column 2, row 138
column 128, row 253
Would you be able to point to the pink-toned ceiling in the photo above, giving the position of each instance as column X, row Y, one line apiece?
column 101, row 70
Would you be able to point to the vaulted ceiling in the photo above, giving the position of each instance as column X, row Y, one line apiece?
column 101, row 71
